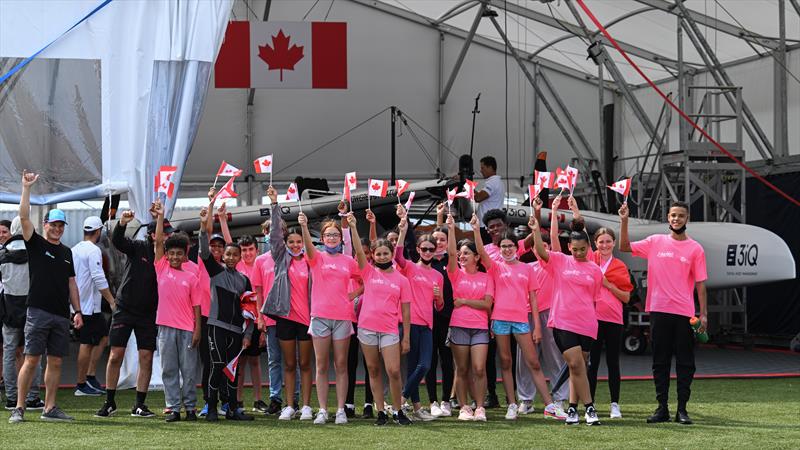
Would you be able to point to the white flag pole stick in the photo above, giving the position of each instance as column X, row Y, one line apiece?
column 215, row 181
column 368, row 201
column 270, row 177
column 299, row 203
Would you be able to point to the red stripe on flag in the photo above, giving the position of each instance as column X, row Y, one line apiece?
column 329, row 55
column 232, row 69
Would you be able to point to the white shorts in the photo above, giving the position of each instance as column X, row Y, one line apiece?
column 376, row 339
column 340, row 329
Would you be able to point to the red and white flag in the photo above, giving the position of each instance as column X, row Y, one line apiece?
column 292, row 194
column 572, row 174
column 533, row 191
column 163, row 180
column 469, row 190
column 304, row 55
column 227, row 170
column 378, row 188
column 350, row 184
column 410, row 199
column 451, row 195
column 543, row 179
column 622, row 187
column 562, row 179
column 263, row 164
column 402, row 186
column 226, row 191
column 230, row 368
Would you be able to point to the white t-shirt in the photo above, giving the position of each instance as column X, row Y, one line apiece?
column 497, row 193
column 89, row 275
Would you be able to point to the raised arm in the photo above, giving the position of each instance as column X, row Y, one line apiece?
column 403, row 227
column 209, row 224
column 28, row 179
column 538, row 244
column 222, row 213
column 158, row 244
column 555, row 243
column 361, row 257
column 307, row 242
column 624, row 240
column 537, row 217
column 347, row 239
column 118, row 238
column 452, row 259
column 476, row 232
column 277, row 244
column 440, row 209
column 373, row 226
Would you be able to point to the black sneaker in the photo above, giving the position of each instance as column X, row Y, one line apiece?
column 274, row 407
column 212, row 415
column 108, row 409
column 238, row 415
column 491, row 401
column 591, row 416
column 382, row 419
column 191, row 416
column 350, row 411
column 368, row 412
column 260, row 406
column 172, row 416
column 141, row 411
column 35, row 404
column 400, row 418
column 95, row 385
column 661, row 414
column 454, row 406
column 11, row 403
column 682, row 417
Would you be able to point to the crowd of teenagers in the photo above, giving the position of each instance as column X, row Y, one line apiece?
column 409, row 299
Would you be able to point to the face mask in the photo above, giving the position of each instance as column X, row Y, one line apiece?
column 302, row 250
column 427, row 263
column 332, row 250
column 439, row 254
column 512, row 258
column 383, row 266
column 680, row 230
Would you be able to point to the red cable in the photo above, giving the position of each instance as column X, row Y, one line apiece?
column 682, row 114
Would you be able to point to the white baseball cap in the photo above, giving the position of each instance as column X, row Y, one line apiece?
column 92, row 223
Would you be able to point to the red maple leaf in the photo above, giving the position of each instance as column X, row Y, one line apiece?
column 376, row 186
column 280, row 56
column 291, row 190
column 352, row 180
column 542, row 180
column 266, row 163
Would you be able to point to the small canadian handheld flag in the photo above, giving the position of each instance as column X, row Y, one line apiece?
column 469, row 190
column 451, row 195
column 350, row 184
column 402, row 186
column 227, row 170
column 230, row 368
column 622, row 187
column 226, row 191
column 163, row 180
column 533, row 191
column 410, row 199
column 572, row 174
column 378, row 188
column 562, row 179
column 291, row 194
column 263, row 164
column 543, row 179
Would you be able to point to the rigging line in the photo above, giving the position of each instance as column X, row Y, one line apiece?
column 406, row 115
column 552, row 14
column 561, row 52
column 247, row 3
column 419, row 143
column 505, row 60
column 309, row 10
column 333, row 140
column 329, row 11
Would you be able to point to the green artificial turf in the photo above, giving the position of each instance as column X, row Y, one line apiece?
column 727, row 414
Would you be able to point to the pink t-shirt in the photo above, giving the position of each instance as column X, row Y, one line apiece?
column 467, row 286
column 673, row 268
column 298, row 282
column 544, row 296
column 422, row 282
column 329, row 292
column 513, row 284
column 178, row 294
column 384, row 292
column 203, row 282
column 576, row 289
column 494, row 252
column 263, row 275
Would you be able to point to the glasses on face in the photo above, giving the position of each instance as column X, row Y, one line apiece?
column 506, row 246
column 427, row 249
column 331, row 235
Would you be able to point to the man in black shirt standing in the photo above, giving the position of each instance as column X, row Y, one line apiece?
column 52, row 289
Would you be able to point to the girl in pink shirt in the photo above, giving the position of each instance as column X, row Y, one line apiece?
column 515, row 286
column 385, row 292
column 473, row 291
column 572, row 315
column 332, row 313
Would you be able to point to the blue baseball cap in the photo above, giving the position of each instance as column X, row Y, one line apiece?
column 56, row 215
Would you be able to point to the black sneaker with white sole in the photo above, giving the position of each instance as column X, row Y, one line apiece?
column 572, row 416
column 382, row 419
column 400, row 418
column 141, row 411
column 107, row 410
column 591, row 416
column 11, row 404
column 34, row 404
column 368, row 412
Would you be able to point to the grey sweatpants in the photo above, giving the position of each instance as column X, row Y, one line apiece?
column 551, row 360
column 14, row 338
column 178, row 361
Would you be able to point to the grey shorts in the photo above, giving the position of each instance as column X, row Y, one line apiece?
column 46, row 332
column 467, row 336
column 377, row 339
column 339, row 329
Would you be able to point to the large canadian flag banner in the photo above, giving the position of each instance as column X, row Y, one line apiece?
column 294, row 55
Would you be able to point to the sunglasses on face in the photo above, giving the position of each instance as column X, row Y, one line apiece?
column 427, row 249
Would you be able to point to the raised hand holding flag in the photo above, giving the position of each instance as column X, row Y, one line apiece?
column 293, row 195
column 350, row 185
column 407, row 206
column 264, row 165
column 622, row 187
column 451, row 195
column 402, row 186
column 572, row 174
column 543, row 179
column 163, row 180
column 562, row 179
column 226, row 191
column 376, row 188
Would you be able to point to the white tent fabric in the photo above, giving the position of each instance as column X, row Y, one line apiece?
column 155, row 59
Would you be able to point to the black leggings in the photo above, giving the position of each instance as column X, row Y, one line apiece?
column 610, row 335
column 224, row 345
column 352, row 371
column 205, row 357
column 440, row 351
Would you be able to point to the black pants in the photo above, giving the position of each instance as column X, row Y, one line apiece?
column 223, row 346
column 440, row 351
column 205, row 357
column 352, row 371
column 610, row 335
column 671, row 335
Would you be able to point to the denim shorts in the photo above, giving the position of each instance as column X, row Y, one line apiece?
column 504, row 327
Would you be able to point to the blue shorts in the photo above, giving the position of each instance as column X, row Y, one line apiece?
column 504, row 327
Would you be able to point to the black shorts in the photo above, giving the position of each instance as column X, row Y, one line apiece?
column 144, row 329
column 46, row 332
column 565, row 340
column 93, row 330
column 254, row 349
column 289, row 330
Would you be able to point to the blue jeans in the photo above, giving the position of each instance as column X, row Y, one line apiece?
column 419, row 360
column 275, row 368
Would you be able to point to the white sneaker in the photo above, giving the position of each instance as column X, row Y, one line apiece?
column 446, row 409
column 423, row 415
column 466, row 414
column 480, row 415
column 435, row 410
column 511, row 413
column 572, row 417
column 591, row 416
column 526, row 407
column 615, row 412
column 287, row 413
column 341, row 417
column 322, row 417
column 555, row 411
column 306, row 413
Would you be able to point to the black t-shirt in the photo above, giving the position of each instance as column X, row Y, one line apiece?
column 50, row 267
